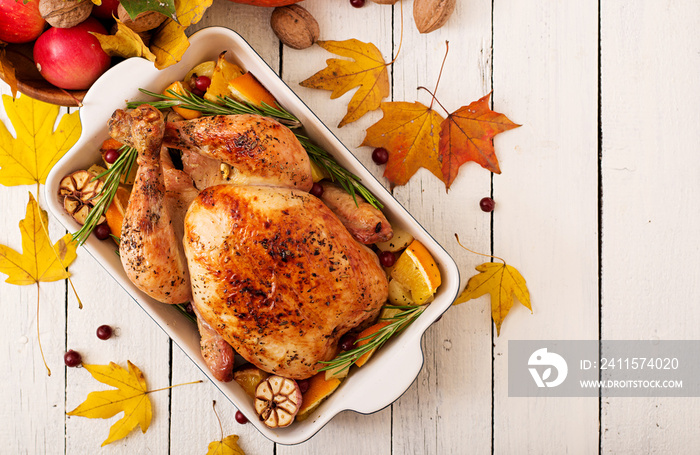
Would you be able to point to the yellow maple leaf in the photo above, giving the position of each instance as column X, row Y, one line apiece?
column 130, row 396
column 367, row 71
column 227, row 446
column 124, row 43
column 169, row 44
column 191, row 11
column 410, row 132
column 503, row 282
column 39, row 260
column 29, row 157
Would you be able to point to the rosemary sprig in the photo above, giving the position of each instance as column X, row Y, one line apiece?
column 377, row 339
column 225, row 106
column 122, row 166
column 181, row 307
column 349, row 181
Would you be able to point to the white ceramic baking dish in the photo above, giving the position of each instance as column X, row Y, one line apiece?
column 371, row 388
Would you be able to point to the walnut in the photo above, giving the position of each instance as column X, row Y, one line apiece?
column 65, row 13
column 294, row 26
column 147, row 20
column 430, row 15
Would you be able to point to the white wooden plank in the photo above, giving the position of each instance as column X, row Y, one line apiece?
column 545, row 222
column 348, row 432
column 137, row 339
column 32, row 415
column 650, row 94
column 452, row 393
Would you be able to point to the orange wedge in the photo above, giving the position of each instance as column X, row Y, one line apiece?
column 318, row 173
column 365, row 333
column 319, row 389
column 417, row 271
column 223, row 73
column 178, row 88
column 116, row 211
column 247, row 88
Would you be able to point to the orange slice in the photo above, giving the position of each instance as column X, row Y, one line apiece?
column 249, row 378
column 247, row 88
column 365, row 333
column 417, row 271
column 223, row 73
column 178, row 88
column 319, row 389
column 318, row 173
column 116, row 211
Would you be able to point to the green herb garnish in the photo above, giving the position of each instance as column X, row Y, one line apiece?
column 349, row 181
column 121, row 167
column 377, row 339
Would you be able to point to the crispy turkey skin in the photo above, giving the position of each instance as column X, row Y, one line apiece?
column 276, row 273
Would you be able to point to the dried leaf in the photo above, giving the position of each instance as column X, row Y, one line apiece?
column 39, row 260
column 409, row 131
column 367, row 70
column 124, row 43
column 29, row 158
column 169, row 43
column 8, row 72
column 136, row 7
column 191, row 11
column 503, row 282
column 467, row 135
column 130, row 397
column 227, row 446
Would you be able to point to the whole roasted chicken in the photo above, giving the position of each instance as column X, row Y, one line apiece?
column 271, row 270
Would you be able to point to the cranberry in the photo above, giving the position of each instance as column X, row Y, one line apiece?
column 487, row 204
column 104, row 332
column 102, row 231
column 303, row 385
column 347, row 341
column 317, row 190
column 111, row 156
column 387, row 258
column 189, row 309
column 357, row 3
column 240, row 418
column 380, row 155
column 202, row 83
column 72, row 358
column 198, row 92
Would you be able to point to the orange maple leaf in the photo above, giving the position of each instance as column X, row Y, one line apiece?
column 367, row 71
column 409, row 131
column 467, row 135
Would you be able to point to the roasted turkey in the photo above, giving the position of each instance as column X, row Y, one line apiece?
column 271, row 270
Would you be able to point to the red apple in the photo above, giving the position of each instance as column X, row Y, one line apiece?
column 106, row 10
column 71, row 58
column 20, row 22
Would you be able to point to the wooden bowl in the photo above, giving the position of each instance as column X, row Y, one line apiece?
column 31, row 83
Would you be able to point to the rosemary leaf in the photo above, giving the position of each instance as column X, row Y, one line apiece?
column 377, row 339
column 346, row 179
column 121, row 167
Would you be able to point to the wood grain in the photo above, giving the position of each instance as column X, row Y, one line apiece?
column 546, row 218
column 651, row 220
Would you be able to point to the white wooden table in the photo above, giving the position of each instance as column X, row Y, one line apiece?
column 597, row 206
